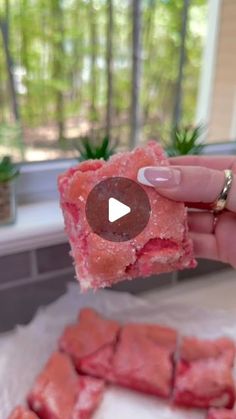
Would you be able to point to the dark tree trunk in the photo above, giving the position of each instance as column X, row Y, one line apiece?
column 4, row 26
column 136, row 72
column 177, row 111
column 110, row 23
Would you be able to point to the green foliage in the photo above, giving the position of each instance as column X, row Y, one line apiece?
column 10, row 134
column 8, row 170
column 162, row 25
column 51, row 46
column 94, row 149
column 186, row 141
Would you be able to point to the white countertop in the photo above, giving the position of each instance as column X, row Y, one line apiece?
column 214, row 291
column 37, row 224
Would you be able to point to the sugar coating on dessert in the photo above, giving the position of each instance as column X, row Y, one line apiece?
column 91, row 393
column 91, row 334
column 138, row 356
column 163, row 246
column 193, row 349
column 59, row 392
column 204, row 375
column 143, row 358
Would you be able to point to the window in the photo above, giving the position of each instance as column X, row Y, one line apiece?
column 66, row 70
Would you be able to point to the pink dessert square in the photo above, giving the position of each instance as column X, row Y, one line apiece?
column 221, row 414
column 164, row 244
column 60, row 393
column 144, row 359
column 138, row 356
column 204, row 373
column 91, row 392
column 22, row 413
column 91, row 342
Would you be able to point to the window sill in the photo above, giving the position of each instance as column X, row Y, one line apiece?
column 38, row 225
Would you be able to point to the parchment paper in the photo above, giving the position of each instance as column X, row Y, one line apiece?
column 24, row 351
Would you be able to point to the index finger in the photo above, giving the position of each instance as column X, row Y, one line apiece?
column 211, row 162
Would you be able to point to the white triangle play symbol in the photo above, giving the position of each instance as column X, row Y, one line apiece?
column 117, row 210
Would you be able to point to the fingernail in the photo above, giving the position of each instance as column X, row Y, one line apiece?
column 162, row 177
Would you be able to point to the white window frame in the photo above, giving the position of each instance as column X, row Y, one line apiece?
column 38, row 181
column 233, row 123
column 209, row 59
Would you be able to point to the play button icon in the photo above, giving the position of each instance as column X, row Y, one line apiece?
column 117, row 209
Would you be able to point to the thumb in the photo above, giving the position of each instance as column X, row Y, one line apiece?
column 192, row 184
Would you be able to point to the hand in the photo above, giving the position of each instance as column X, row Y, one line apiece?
column 198, row 181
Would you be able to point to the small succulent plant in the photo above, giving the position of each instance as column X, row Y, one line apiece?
column 186, row 140
column 89, row 148
column 8, row 171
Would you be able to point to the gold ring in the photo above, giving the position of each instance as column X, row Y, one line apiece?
column 220, row 204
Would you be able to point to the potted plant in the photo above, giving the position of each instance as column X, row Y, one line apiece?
column 89, row 148
column 8, row 173
column 186, row 140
